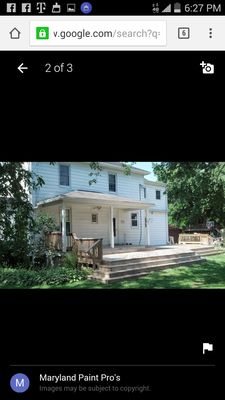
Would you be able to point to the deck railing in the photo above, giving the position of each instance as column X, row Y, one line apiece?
column 54, row 240
column 195, row 238
column 88, row 250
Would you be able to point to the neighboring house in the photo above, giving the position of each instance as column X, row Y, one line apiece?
column 121, row 209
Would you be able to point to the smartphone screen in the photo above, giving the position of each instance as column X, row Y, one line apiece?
column 112, row 270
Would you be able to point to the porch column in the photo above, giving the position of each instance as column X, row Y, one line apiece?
column 147, row 228
column 63, row 215
column 111, row 228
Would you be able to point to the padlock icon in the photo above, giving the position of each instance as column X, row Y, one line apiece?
column 42, row 32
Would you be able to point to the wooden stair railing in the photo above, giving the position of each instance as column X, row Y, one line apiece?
column 88, row 250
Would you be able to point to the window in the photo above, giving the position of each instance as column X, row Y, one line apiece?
column 112, row 183
column 64, row 172
column 157, row 194
column 134, row 220
column 94, row 218
column 144, row 193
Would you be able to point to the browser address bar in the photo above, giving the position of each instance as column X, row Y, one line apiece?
column 98, row 33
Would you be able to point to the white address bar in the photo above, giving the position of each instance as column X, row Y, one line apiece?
column 98, row 33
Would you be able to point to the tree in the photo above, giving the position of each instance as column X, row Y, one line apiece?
column 16, row 211
column 196, row 191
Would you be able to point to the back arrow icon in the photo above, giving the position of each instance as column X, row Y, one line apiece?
column 21, row 68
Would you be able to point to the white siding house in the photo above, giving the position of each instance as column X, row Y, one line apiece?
column 121, row 209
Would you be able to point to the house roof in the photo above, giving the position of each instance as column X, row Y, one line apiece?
column 154, row 183
column 119, row 165
column 99, row 199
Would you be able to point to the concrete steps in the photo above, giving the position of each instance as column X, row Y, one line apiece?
column 149, row 261
column 132, row 268
column 208, row 250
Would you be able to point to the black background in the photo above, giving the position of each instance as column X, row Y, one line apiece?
column 85, row 327
column 153, row 105
column 116, row 106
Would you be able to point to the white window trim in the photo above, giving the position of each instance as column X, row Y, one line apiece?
column 134, row 227
column 116, row 180
column 96, row 218
column 67, row 165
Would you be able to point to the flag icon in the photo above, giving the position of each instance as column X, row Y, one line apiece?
column 207, row 347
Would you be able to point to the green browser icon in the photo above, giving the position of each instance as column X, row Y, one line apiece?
column 42, row 32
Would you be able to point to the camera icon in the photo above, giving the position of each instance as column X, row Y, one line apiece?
column 207, row 68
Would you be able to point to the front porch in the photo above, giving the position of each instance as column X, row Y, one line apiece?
column 114, row 219
column 55, row 241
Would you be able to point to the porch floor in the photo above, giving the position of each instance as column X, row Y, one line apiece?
column 126, row 249
column 133, row 252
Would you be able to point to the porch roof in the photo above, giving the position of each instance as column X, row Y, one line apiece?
column 99, row 199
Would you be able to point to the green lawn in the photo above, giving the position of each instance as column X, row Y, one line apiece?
column 205, row 275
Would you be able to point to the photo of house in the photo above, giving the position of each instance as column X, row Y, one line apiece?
column 96, row 224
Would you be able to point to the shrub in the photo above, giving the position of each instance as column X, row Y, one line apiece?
column 69, row 260
column 41, row 251
column 27, row 278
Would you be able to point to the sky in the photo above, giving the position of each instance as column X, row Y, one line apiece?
column 148, row 167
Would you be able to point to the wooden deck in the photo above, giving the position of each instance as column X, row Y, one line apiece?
column 127, row 262
column 135, row 264
column 126, row 249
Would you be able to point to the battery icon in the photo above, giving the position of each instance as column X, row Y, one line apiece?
column 177, row 7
